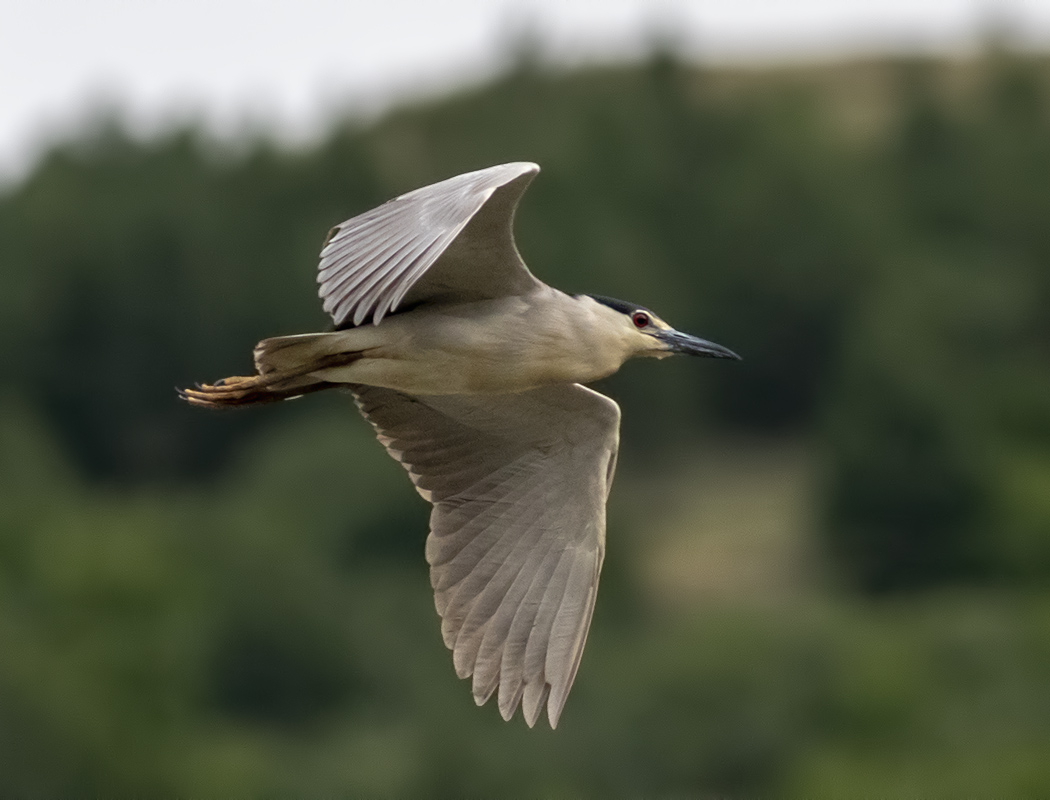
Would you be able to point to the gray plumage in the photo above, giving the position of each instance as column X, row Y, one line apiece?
column 373, row 262
column 515, row 547
column 470, row 373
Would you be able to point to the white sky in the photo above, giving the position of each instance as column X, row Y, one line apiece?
column 289, row 63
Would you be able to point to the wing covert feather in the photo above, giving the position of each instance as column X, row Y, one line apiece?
column 518, row 484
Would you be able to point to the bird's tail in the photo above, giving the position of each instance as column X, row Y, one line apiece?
column 303, row 353
column 284, row 365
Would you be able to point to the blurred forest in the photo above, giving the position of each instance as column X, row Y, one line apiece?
column 827, row 570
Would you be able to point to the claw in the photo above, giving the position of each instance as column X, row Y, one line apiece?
column 189, row 396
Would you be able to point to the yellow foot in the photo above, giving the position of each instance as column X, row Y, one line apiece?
column 228, row 392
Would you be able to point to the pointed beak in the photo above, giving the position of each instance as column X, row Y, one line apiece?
column 694, row 346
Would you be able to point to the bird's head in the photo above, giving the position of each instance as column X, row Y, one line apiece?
column 645, row 334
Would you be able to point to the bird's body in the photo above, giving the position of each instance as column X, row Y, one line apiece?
column 475, row 389
column 485, row 347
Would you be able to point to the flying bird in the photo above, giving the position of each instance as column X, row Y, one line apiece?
column 471, row 371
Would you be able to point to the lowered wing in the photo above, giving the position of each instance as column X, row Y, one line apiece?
column 518, row 484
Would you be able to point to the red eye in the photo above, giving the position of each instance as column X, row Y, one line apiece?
column 640, row 319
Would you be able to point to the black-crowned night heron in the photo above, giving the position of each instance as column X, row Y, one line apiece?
column 471, row 373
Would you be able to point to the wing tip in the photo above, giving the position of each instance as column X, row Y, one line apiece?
column 525, row 166
column 533, row 700
column 518, row 169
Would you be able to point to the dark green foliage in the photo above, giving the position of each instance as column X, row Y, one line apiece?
column 949, row 343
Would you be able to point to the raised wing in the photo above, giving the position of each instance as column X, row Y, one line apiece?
column 517, row 533
column 448, row 242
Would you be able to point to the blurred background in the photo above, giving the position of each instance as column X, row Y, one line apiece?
column 828, row 566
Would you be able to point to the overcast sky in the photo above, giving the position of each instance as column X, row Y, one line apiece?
column 288, row 63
